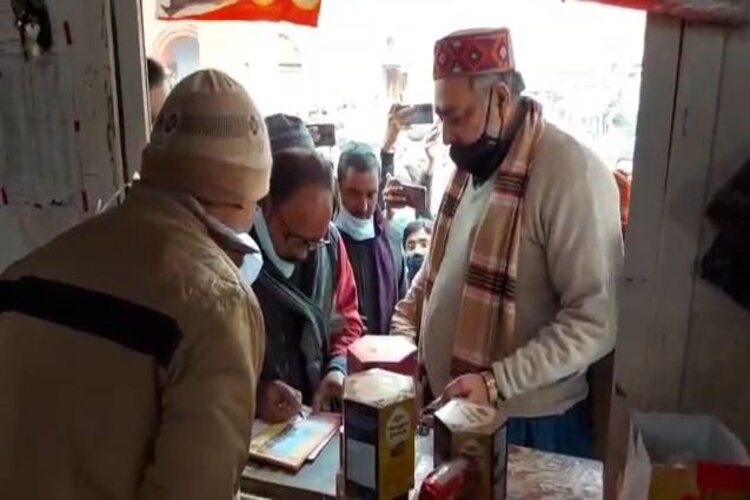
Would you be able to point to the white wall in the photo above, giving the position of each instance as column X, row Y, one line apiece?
column 59, row 138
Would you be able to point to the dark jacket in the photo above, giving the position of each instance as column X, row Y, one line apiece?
column 311, row 317
column 380, row 272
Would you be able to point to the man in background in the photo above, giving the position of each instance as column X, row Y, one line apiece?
column 374, row 248
column 158, row 88
column 419, row 172
column 517, row 298
column 417, row 238
column 306, row 288
column 129, row 347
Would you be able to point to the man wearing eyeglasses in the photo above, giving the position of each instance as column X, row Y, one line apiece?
column 306, row 288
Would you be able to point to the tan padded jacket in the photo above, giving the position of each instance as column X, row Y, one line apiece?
column 129, row 358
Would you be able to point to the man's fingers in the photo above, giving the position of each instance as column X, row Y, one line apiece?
column 394, row 198
column 394, row 191
column 404, row 114
column 394, row 108
column 396, row 201
column 278, row 414
column 289, row 397
column 427, row 421
column 292, row 400
column 285, row 413
column 317, row 405
column 455, row 390
column 396, row 205
column 393, row 183
column 433, row 135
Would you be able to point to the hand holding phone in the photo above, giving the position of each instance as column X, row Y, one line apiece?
column 421, row 114
column 416, row 196
column 323, row 134
column 398, row 195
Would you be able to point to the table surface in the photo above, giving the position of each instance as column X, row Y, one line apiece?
column 533, row 475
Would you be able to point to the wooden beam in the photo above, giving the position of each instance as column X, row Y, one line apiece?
column 638, row 304
column 660, row 73
column 682, row 211
column 716, row 367
column 132, row 82
column 669, row 196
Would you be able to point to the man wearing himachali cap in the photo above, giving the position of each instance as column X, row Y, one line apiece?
column 131, row 345
column 517, row 298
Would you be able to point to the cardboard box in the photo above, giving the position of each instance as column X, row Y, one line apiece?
column 480, row 434
column 379, row 428
column 684, row 457
column 389, row 352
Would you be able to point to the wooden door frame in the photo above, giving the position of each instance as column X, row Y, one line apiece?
column 132, row 82
column 681, row 80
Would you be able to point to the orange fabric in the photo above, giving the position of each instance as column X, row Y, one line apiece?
column 623, row 185
column 303, row 12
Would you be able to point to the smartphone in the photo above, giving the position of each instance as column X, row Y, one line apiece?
column 422, row 114
column 416, row 196
column 323, row 134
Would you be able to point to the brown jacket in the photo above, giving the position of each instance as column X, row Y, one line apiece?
column 129, row 357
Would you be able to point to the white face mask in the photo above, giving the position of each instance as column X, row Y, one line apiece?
column 252, row 259
column 252, row 262
column 359, row 229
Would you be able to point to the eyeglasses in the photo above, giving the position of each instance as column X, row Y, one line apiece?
column 310, row 245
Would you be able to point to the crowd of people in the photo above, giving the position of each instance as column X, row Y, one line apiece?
column 139, row 346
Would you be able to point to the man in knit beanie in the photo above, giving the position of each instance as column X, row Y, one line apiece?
column 132, row 344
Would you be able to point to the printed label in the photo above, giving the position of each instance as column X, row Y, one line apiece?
column 397, row 428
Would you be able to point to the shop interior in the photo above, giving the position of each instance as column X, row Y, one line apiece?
column 655, row 89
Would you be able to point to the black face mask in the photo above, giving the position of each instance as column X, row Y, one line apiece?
column 414, row 264
column 483, row 156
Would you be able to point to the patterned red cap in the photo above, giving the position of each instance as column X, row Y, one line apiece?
column 473, row 52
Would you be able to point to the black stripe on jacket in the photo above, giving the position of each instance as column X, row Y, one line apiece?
column 125, row 323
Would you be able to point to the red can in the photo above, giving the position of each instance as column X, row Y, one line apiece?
column 448, row 481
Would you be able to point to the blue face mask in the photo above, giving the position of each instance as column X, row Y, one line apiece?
column 358, row 229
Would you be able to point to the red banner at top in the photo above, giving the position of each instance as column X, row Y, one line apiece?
column 304, row 12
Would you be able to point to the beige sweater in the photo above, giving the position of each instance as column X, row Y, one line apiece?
column 569, row 264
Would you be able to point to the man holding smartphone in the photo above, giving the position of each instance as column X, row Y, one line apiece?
column 517, row 297
column 396, row 194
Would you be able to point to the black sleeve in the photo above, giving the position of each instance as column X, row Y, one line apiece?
column 426, row 181
column 386, row 169
column 403, row 282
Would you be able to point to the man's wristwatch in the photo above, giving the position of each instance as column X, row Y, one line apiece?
column 491, row 384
